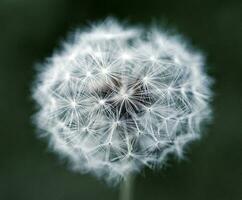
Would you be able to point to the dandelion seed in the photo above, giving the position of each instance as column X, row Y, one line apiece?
column 119, row 99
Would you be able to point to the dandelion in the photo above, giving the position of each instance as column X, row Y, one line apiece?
column 117, row 99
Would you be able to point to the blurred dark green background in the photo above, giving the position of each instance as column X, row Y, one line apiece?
column 31, row 29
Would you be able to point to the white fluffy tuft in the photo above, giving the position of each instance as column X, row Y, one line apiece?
column 119, row 99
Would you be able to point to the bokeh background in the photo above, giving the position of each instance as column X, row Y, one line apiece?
column 31, row 29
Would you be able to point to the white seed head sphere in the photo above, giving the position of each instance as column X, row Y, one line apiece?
column 116, row 99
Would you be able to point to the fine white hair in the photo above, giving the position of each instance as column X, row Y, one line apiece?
column 117, row 98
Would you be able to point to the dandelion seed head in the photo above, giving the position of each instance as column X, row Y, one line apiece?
column 118, row 99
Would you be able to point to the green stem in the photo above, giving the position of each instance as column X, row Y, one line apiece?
column 126, row 189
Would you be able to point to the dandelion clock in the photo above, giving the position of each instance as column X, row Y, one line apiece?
column 116, row 99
